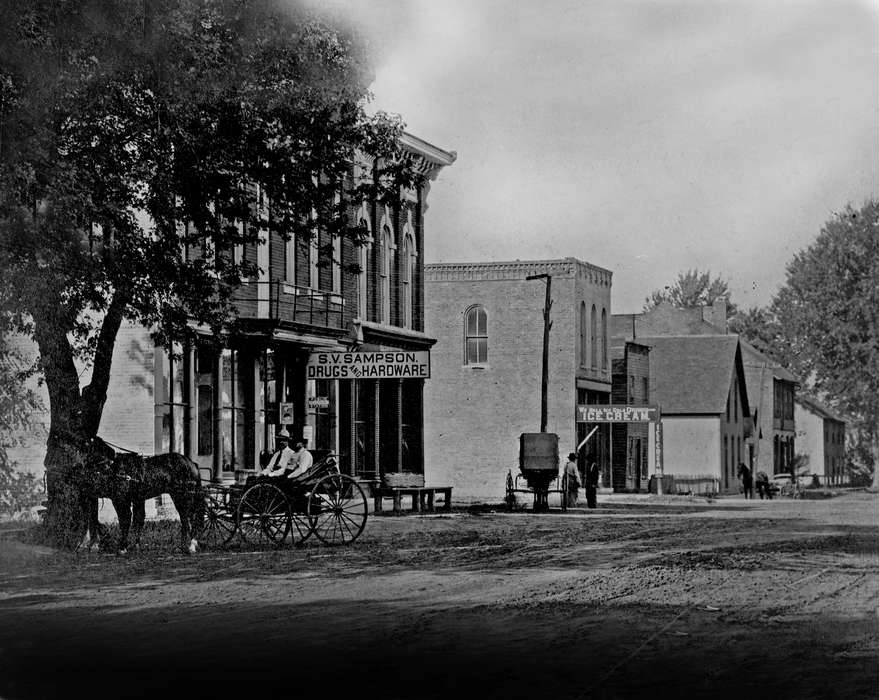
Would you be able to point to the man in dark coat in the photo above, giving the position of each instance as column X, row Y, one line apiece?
column 591, row 481
column 747, row 480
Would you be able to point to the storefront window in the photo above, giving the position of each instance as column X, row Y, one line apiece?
column 173, row 394
column 236, row 398
column 364, row 428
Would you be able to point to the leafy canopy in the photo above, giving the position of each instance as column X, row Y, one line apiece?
column 691, row 290
column 135, row 133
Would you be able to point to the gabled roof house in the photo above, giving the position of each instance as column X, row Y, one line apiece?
column 698, row 381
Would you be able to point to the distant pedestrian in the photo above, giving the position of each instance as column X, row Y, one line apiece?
column 747, row 480
column 763, row 489
column 591, row 481
column 572, row 481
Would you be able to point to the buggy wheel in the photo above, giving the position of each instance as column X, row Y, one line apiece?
column 219, row 521
column 337, row 509
column 264, row 516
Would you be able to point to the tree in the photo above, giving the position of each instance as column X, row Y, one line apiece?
column 135, row 137
column 692, row 289
column 18, row 490
column 829, row 313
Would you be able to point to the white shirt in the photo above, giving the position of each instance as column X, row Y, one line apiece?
column 279, row 462
column 300, row 463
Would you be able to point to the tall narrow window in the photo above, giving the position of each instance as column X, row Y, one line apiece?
column 604, row 339
column 408, row 291
column 387, row 245
column 593, row 332
column 584, row 330
column 475, row 336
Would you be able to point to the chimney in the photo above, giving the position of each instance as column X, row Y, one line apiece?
column 716, row 314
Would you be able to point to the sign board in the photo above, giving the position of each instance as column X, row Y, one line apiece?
column 610, row 413
column 392, row 364
column 657, row 447
column 285, row 413
column 318, row 401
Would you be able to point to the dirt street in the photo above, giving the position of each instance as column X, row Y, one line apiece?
column 737, row 599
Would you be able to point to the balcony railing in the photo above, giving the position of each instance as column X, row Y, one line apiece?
column 279, row 301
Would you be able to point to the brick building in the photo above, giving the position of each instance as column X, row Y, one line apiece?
column 222, row 408
column 630, row 442
column 821, row 438
column 486, row 366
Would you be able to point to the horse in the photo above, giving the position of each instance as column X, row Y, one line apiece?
column 128, row 479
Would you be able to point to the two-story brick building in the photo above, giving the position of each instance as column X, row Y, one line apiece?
column 222, row 407
column 486, row 367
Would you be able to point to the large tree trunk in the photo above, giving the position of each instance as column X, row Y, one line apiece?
column 74, row 416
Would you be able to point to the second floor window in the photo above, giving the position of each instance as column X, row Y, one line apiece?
column 593, row 332
column 475, row 336
column 584, row 344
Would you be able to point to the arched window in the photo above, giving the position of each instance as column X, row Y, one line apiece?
column 475, row 336
column 604, row 339
column 584, row 345
column 409, row 260
column 593, row 332
column 363, row 260
column 387, row 246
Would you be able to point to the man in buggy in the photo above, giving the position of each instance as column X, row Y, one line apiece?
column 288, row 462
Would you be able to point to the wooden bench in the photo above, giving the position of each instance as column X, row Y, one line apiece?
column 396, row 486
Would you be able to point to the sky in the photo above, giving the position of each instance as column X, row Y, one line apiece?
column 645, row 137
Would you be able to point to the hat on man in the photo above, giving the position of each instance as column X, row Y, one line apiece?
column 282, row 434
column 572, row 456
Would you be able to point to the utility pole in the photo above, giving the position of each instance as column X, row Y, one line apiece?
column 547, row 324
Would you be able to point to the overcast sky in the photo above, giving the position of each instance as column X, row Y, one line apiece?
column 645, row 137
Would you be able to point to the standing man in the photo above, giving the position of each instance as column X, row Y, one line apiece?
column 572, row 481
column 747, row 480
column 591, row 481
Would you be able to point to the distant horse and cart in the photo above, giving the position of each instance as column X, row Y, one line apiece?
column 264, row 511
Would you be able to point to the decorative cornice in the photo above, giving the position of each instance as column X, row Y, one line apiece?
column 429, row 159
column 516, row 270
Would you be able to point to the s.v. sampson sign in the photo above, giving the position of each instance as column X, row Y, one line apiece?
column 393, row 364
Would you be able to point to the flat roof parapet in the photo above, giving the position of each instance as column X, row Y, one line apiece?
column 516, row 270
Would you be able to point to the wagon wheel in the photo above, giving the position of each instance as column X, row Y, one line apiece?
column 219, row 522
column 337, row 509
column 264, row 515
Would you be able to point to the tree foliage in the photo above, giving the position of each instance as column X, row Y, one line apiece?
column 692, row 289
column 18, row 490
column 136, row 138
column 829, row 312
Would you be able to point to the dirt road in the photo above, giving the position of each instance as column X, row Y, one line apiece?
column 734, row 599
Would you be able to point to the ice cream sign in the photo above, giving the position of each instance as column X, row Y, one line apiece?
column 397, row 364
column 616, row 414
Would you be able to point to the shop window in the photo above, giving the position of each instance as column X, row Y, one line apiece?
column 324, row 408
column 236, row 402
column 411, row 434
column 174, row 400
column 475, row 336
column 364, row 428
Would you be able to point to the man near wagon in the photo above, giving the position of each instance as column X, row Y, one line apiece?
column 591, row 481
column 278, row 464
column 572, row 481
column 300, row 462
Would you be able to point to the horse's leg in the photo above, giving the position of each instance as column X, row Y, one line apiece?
column 123, row 511
column 85, row 510
column 183, row 504
column 139, row 515
column 94, row 524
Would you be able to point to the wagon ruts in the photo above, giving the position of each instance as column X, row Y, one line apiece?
column 265, row 511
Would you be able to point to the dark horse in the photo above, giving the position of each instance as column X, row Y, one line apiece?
column 128, row 479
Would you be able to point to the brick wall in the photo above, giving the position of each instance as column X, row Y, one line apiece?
column 474, row 415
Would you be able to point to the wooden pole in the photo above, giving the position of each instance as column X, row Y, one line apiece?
column 547, row 324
